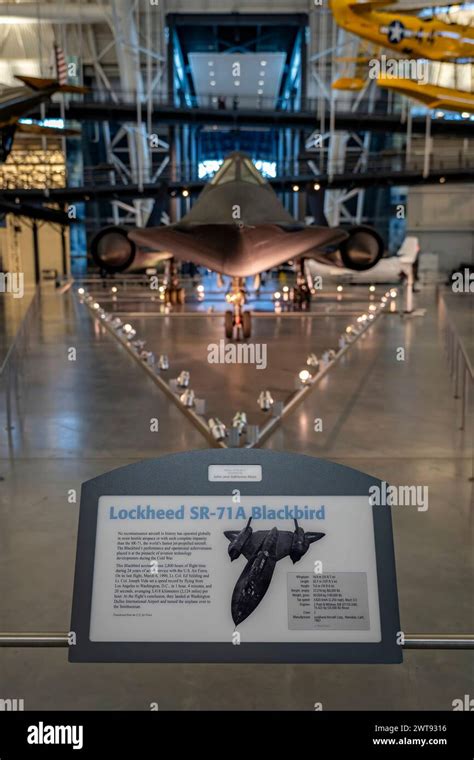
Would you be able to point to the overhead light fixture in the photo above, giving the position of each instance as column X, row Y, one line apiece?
column 316, row 186
column 237, row 82
column 262, row 74
column 263, row 63
column 185, row 193
column 210, row 63
column 371, row 288
column 393, row 293
column 212, row 73
column 277, row 295
column 261, row 83
column 465, row 115
column 339, row 288
column 81, row 291
column 213, row 83
column 442, row 180
column 372, row 307
column 295, row 188
column 259, row 92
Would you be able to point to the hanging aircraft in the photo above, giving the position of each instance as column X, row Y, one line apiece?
column 430, row 94
column 409, row 35
column 18, row 102
column 237, row 227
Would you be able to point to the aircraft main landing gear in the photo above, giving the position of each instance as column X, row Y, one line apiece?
column 238, row 323
column 301, row 293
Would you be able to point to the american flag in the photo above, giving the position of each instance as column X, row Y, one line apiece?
column 61, row 67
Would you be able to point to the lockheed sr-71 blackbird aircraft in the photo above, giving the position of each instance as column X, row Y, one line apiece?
column 262, row 551
column 408, row 35
column 237, row 227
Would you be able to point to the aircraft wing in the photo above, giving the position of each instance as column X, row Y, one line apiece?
column 370, row 5
column 229, row 250
column 39, row 129
column 284, row 543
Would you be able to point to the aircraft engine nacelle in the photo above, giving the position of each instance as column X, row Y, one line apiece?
column 236, row 546
column 112, row 249
column 299, row 545
column 362, row 249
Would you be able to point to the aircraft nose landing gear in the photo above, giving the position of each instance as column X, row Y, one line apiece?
column 174, row 293
column 301, row 293
column 238, row 323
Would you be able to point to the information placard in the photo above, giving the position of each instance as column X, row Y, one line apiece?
column 234, row 571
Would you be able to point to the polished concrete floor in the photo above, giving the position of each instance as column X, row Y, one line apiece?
column 72, row 420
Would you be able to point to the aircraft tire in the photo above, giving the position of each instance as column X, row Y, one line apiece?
column 229, row 324
column 246, row 324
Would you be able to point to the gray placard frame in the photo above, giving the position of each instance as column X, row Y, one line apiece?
column 187, row 474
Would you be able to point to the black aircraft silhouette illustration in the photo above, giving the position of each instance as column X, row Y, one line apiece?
column 262, row 550
column 236, row 227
